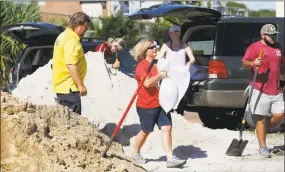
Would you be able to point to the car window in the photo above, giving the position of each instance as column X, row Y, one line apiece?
column 39, row 57
column 46, row 56
column 233, row 39
column 30, row 57
column 202, row 41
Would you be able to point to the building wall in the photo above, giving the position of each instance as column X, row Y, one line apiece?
column 280, row 8
column 64, row 9
column 52, row 9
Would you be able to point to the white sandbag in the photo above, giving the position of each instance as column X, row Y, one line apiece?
column 162, row 65
column 181, row 77
column 168, row 94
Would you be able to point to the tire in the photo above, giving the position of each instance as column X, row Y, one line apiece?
column 251, row 122
column 217, row 119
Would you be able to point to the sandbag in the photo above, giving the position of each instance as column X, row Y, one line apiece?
column 162, row 65
column 168, row 94
column 181, row 77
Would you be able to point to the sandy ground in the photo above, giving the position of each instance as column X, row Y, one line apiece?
column 204, row 149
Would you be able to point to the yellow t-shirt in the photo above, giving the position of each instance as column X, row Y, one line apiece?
column 67, row 50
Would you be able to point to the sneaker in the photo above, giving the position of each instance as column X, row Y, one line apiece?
column 139, row 158
column 264, row 152
column 175, row 162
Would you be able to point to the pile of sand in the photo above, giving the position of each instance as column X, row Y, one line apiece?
column 109, row 92
column 50, row 138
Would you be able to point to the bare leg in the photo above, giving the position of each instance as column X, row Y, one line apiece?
column 167, row 141
column 276, row 118
column 140, row 140
column 261, row 129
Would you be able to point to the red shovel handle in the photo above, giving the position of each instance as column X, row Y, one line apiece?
column 103, row 154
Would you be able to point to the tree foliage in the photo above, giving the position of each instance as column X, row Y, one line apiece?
column 156, row 30
column 236, row 5
column 262, row 13
column 209, row 4
column 59, row 21
column 12, row 13
column 251, row 13
column 117, row 26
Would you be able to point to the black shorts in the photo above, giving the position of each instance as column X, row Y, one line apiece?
column 71, row 100
column 150, row 117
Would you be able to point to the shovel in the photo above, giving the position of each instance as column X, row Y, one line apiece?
column 103, row 154
column 237, row 147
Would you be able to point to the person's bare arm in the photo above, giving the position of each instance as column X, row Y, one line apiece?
column 282, row 71
column 248, row 64
column 152, row 81
column 190, row 55
column 73, row 71
column 282, row 75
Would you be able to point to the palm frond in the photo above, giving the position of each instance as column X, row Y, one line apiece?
column 12, row 13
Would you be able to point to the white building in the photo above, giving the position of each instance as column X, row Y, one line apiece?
column 128, row 7
column 280, row 8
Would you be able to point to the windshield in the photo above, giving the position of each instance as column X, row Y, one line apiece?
column 234, row 38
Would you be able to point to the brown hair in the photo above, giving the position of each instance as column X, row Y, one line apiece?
column 118, row 41
column 77, row 19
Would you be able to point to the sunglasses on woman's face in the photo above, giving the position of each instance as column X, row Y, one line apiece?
column 152, row 47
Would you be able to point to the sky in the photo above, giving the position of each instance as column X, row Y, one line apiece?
column 257, row 5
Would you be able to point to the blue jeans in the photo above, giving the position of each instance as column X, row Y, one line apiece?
column 150, row 117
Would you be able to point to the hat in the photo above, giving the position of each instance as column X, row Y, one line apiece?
column 268, row 29
column 175, row 28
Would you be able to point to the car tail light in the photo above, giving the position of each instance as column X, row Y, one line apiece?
column 217, row 69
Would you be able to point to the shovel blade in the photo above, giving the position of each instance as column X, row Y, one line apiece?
column 237, row 147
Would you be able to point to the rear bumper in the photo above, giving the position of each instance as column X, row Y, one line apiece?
column 219, row 98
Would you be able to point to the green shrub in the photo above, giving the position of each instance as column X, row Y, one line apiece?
column 11, row 13
column 117, row 26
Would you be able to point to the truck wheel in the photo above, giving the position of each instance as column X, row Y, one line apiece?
column 251, row 122
column 215, row 120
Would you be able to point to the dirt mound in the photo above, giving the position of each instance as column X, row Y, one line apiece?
column 50, row 138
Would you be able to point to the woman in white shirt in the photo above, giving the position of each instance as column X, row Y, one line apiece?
column 175, row 51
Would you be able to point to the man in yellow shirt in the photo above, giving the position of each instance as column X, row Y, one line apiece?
column 69, row 65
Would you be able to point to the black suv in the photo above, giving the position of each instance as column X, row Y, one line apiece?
column 219, row 44
column 39, row 39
